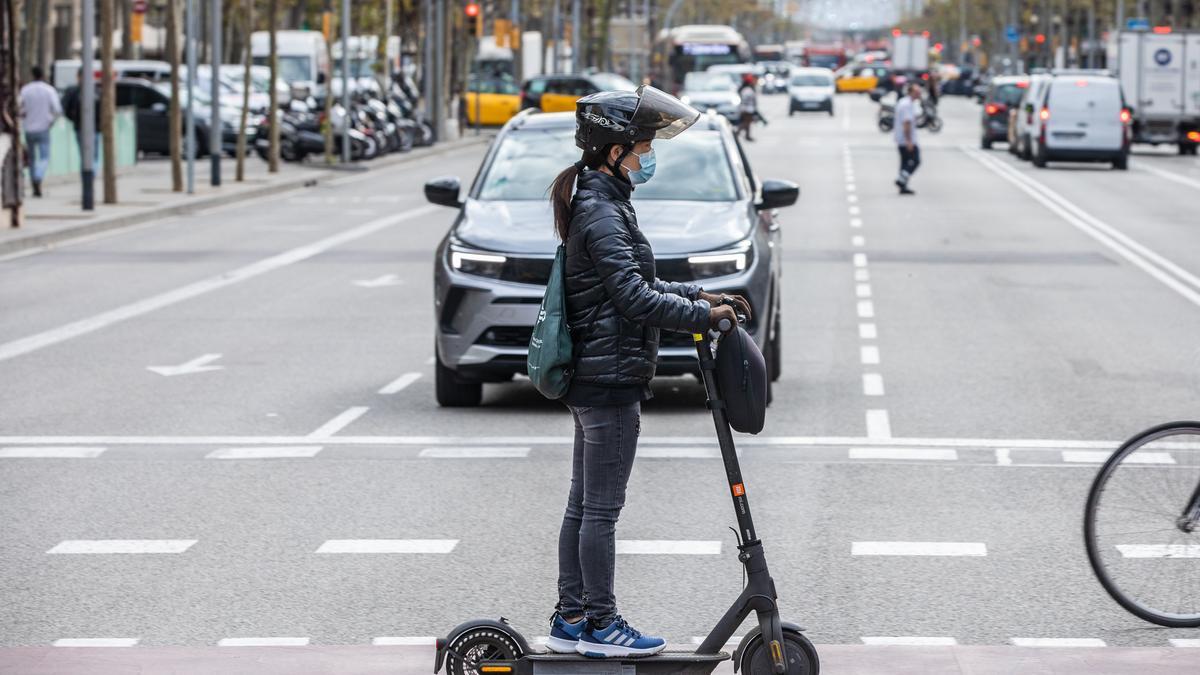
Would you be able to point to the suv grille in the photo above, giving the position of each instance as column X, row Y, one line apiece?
column 537, row 270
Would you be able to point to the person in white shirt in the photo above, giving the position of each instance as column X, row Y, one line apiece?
column 40, row 108
column 748, row 106
column 904, row 130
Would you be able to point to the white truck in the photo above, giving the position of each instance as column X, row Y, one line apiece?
column 302, row 60
column 1160, row 78
column 910, row 53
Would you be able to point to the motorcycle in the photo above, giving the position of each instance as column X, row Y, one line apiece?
column 927, row 119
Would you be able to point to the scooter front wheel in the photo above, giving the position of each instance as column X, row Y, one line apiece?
column 800, row 653
column 474, row 646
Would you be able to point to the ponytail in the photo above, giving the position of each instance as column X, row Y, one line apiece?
column 563, row 189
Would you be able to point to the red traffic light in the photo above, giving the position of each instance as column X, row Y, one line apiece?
column 472, row 9
column 895, row 32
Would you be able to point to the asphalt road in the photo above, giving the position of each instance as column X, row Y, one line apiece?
column 967, row 336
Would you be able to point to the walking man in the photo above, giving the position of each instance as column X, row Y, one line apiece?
column 905, row 132
column 39, row 109
column 748, row 106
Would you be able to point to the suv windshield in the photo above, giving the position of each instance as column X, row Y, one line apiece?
column 691, row 167
column 811, row 81
column 612, row 82
column 707, row 82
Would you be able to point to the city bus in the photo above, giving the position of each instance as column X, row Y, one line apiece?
column 685, row 49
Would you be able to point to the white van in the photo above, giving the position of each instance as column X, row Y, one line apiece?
column 1081, row 116
column 303, row 62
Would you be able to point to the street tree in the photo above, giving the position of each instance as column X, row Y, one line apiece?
column 273, row 111
column 240, row 172
column 175, row 116
column 108, row 95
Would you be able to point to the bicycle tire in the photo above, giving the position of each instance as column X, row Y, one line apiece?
column 1130, row 604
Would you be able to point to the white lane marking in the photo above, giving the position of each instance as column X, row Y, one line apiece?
column 878, row 425
column 380, row 281
column 845, row 120
column 867, row 331
column 910, row 641
column 860, row 259
column 935, row 454
column 872, row 384
column 852, row 198
column 854, row 210
column 1171, row 275
column 96, row 642
column 344, row 419
column 107, row 546
column 477, row 452
column 1159, row 550
column 38, row 452
column 196, row 365
column 1057, row 642
column 1187, row 643
column 858, row 240
column 862, row 290
column 918, row 548
column 866, row 309
column 263, row 642
column 862, row 275
column 265, row 452
column 388, row 546
column 1100, row 457
column 416, row 641
column 93, row 323
column 1170, row 175
column 397, row 385
column 856, row 222
column 868, row 355
column 850, row 187
column 667, row 547
column 1002, row 457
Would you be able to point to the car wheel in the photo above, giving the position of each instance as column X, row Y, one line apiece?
column 791, row 111
column 775, row 352
column 1023, row 149
column 1121, row 163
column 985, row 143
column 1039, row 157
column 831, row 111
column 452, row 392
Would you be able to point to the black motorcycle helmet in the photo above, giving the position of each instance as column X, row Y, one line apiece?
column 625, row 118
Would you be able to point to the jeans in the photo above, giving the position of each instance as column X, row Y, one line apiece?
column 605, row 444
column 38, row 143
column 909, row 161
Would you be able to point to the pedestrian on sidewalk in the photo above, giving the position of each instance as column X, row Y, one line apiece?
column 72, row 103
column 748, row 107
column 39, row 110
column 905, row 132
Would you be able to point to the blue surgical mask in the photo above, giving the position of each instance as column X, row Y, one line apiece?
column 645, row 173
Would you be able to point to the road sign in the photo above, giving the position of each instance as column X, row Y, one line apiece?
column 1138, row 23
column 1011, row 34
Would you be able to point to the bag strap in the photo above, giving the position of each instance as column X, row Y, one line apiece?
column 595, row 310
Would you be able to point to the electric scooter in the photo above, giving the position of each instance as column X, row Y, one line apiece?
column 773, row 647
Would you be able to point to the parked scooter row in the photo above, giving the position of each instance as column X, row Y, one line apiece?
column 376, row 126
column 928, row 118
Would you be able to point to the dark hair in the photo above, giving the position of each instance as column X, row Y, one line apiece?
column 563, row 188
column 37, row 72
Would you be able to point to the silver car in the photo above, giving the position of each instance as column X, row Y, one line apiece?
column 710, row 220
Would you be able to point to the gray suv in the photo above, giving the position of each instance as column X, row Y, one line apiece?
column 710, row 220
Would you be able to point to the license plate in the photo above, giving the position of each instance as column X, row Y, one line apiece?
column 809, row 104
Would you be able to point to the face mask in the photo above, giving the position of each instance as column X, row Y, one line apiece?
column 645, row 173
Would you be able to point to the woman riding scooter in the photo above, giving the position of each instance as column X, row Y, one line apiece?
column 616, row 307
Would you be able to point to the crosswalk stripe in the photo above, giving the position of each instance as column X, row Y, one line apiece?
column 266, row 452
column 388, row 546
column 108, row 546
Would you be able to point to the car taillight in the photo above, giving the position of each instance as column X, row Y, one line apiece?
column 1193, row 136
column 924, row 76
column 995, row 108
column 1125, row 116
column 1044, row 114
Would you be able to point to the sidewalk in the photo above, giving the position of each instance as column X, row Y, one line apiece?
column 144, row 194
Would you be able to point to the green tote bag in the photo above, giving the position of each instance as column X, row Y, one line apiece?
column 550, row 360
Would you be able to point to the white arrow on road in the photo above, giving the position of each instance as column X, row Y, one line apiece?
column 196, row 365
column 385, row 280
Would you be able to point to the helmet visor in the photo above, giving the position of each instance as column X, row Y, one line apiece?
column 662, row 113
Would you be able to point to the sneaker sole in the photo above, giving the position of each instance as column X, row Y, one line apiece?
column 560, row 646
column 596, row 650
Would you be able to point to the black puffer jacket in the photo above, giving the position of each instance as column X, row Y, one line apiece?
column 615, row 304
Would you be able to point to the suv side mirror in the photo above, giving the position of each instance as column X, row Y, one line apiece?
column 444, row 191
column 778, row 193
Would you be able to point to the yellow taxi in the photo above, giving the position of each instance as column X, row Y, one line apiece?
column 558, row 93
column 859, row 78
column 496, row 101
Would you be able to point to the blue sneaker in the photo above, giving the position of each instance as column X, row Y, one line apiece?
column 617, row 640
column 564, row 635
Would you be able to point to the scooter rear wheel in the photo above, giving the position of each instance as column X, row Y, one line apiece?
column 800, row 653
column 477, row 645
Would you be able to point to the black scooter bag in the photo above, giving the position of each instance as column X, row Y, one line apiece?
column 742, row 381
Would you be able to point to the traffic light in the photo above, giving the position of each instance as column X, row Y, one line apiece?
column 474, row 19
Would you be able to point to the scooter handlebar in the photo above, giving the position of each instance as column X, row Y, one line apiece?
column 725, row 325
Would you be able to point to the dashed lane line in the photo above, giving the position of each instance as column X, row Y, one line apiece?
column 266, row 452
column 1185, row 643
column 44, row 452
column 865, row 309
column 918, row 548
column 879, row 425
column 862, row 290
column 1003, row 457
column 343, row 420
column 1170, row 175
column 1159, row 550
column 872, row 384
column 399, row 384
column 32, row 343
column 862, row 275
column 439, row 546
column 867, row 331
column 96, row 642
column 868, row 355
column 120, row 546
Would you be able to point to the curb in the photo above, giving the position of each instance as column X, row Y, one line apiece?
column 48, row 239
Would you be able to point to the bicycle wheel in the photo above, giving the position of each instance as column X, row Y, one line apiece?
column 1142, row 525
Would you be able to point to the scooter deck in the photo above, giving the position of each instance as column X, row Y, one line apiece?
column 680, row 661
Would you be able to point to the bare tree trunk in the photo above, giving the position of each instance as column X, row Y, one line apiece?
column 175, row 118
column 273, row 113
column 240, row 173
column 125, row 7
column 327, row 125
column 108, row 95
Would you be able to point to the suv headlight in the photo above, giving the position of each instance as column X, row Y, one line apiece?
column 476, row 262
column 721, row 263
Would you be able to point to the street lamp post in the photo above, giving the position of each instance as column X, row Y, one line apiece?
column 189, row 40
column 215, row 128
column 345, row 81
